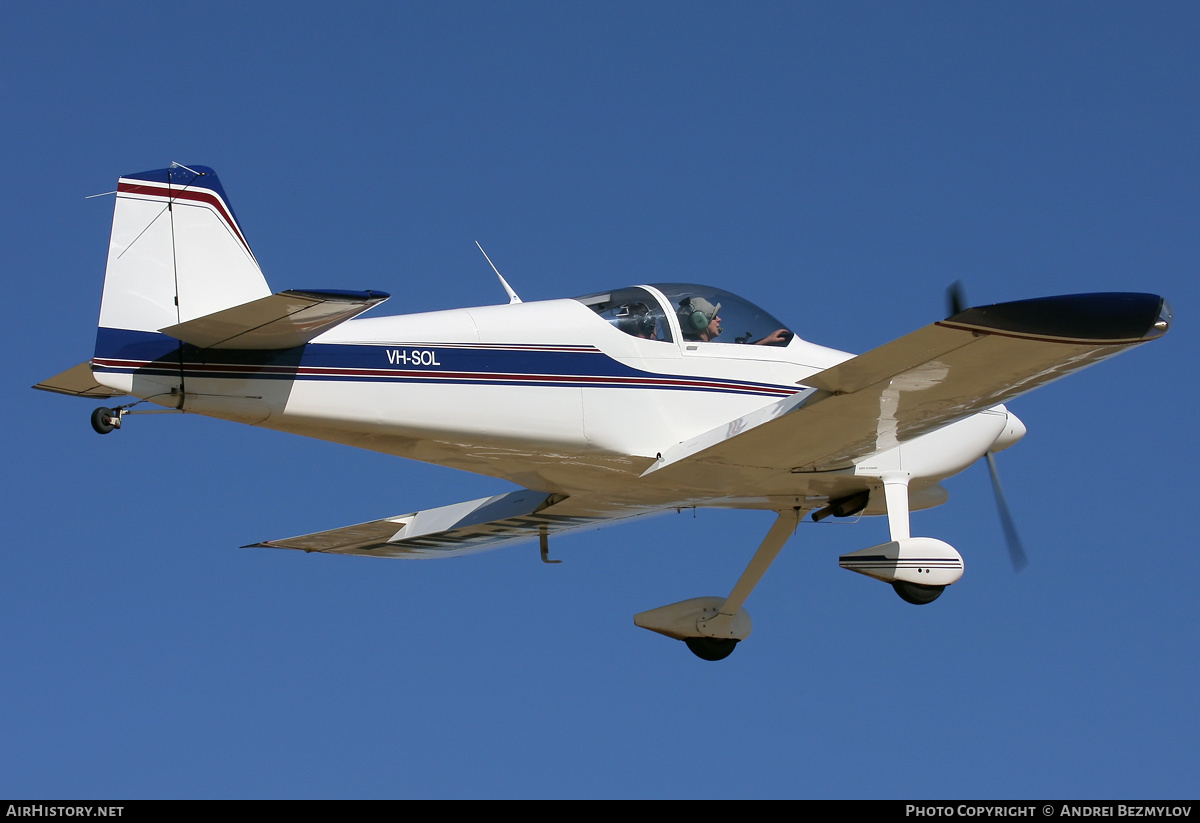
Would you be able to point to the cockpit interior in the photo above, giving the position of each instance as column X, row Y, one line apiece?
column 700, row 314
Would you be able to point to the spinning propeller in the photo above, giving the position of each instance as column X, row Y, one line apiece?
column 956, row 303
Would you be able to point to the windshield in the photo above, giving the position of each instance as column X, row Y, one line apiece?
column 711, row 315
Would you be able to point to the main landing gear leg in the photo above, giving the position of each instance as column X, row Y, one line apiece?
column 711, row 626
column 895, row 492
column 721, row 625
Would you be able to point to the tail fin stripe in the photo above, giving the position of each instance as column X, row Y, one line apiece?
column 204, row 196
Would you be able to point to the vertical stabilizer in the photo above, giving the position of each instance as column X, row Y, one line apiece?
column 176, row 252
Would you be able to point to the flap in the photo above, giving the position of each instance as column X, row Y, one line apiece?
column 280, row 321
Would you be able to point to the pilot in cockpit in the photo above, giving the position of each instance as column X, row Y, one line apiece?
column 700, row 320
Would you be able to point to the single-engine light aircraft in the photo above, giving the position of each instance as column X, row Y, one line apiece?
column 602, row 407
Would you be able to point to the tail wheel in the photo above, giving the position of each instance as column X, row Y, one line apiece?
column 104, row 420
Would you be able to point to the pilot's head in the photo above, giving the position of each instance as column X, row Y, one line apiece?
column 698, row 319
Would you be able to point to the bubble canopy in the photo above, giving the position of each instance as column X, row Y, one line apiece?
column 705, row 314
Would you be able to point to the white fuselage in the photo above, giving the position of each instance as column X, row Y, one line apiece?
column 546, row 394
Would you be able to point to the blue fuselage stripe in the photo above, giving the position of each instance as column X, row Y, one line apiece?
column 123, row 351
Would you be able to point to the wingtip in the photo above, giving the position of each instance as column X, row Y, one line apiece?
column 1112, row 317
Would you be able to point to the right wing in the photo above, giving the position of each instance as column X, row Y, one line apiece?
column 461, row 528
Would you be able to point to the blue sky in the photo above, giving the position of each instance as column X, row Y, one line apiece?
column 839, row 164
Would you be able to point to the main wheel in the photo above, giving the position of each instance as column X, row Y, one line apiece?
column 711, row 648
column 102, row 420
column 917, row 594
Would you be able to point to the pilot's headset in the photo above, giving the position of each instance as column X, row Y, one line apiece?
column 695, row 313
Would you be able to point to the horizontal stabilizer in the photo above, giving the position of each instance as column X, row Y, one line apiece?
column 78, row 381
column 280, row 321
column 461, row 528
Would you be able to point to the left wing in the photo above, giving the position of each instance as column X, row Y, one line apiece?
column 934, row 376
column 461, row 528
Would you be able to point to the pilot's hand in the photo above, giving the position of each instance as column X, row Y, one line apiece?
column 779, row 337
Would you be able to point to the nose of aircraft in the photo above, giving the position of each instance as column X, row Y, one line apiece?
column 1014, row 430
